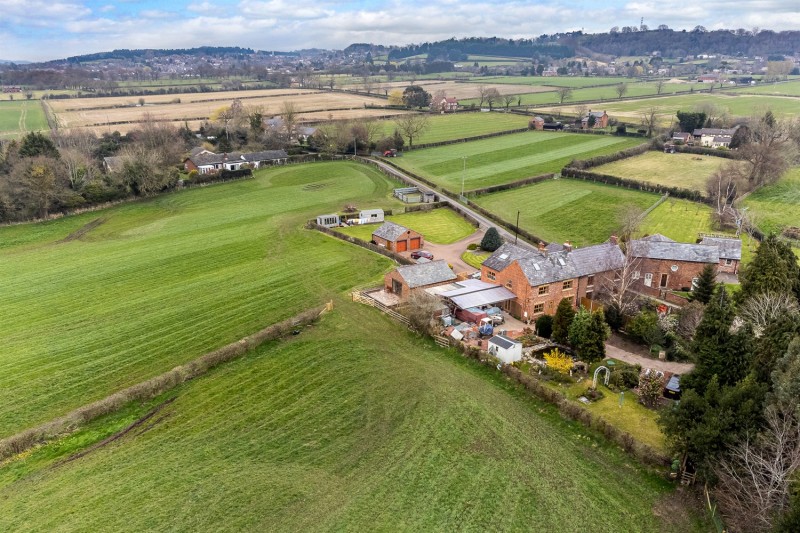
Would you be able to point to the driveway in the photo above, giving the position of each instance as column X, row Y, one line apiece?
column 452, row 252
column 618, row 349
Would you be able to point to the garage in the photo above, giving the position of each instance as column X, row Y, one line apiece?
column 397, row 238
column 415, row 243
column 402, row 246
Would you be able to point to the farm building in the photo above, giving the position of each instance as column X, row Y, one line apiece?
column 206, row 162
column 412, row 195
column 541, row 278
column 666, row 265
column 397, row 238
column 403, row 280
column 537, row 123
column 682, row 137
column 370, row 216
column 328, row 221
column 714, row 137
column 505, row 349
column 472, row 293
column 600, row 119
column 730, row 253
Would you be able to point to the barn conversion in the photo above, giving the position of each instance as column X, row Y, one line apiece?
column 403, row 280
column 206, row 162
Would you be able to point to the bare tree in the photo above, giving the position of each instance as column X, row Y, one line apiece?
column 621, row 89
column 482, row 94
column 615, row 286
column 411, row 125
column 756, row 477
column 689, row 318
column 629, row 219
column 289, row 114
column 724, row 187
column 492, row 96
column 769, row 150
column 761, row 309
column 437, row 101
column 564, row 93
column 420, row 309
column 650, row 119
column 332, row 82
column 368, row 84
column 508, row 99
column 659, row 86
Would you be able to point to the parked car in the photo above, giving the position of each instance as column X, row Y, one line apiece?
column 390, row 153
column 416, row 254
column 495, row 320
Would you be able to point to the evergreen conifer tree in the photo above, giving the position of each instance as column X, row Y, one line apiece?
column 562, row 321
column 705, row 285
column 491, row 240
column 773, row 269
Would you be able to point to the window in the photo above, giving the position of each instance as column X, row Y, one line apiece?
column 490, row 274
column 648, row 279
column 538, row 308
column 728, row 262
column 636, row 275
column 544, row 289
column 590, row 281
column 509, row 284
column 694, row 283
column 567, row 285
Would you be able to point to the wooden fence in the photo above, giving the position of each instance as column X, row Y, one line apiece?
column 363, row 298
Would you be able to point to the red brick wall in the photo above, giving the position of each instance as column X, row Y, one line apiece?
column 189, row 166
column 528, row 297
column 406, row 292
column 407, row 236
column 733, row 268
column 678, row 280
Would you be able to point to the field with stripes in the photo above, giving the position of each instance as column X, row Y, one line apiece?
column 18, row 117
column 507, row 158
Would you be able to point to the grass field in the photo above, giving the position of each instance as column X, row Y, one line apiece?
column 777, row 206
column 560, row 210
column 688, row 171
column 507, row 158
column 791, row 88
column 439, row 226
column 18, row 117
column 553, row 81
column 460, row 125
column 355, row 424
column 167, row 280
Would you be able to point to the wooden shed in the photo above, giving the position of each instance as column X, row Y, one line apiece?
column 397, row 238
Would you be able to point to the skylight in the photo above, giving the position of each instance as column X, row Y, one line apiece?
column 503, row 256
column 536, row 266
column 561, row 261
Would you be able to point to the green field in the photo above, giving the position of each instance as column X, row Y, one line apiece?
column 742, row 105
column 507, row 158
column 461, row 125
column 353, row 425
column 688, row 171
column 776, row 206
column 18, row 117
column 791, row 88
column 559, row 210
column 553, row 81
column 160, row 282
column 439, row 226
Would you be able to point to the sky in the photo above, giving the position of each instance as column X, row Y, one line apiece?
column 38, row 30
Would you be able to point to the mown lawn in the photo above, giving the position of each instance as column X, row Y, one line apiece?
column 507, row 158
column 460, row 125
column 355, row 424
column 160, row 282
column 475, row 258
column 776, row 206
column 688, row 171
column 559, row 210
column 20, row 116
column 439, row 226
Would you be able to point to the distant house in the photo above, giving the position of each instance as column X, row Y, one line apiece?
column 668, row 265
column 537, row 123
column 448, row 104
column 708, row 79
column 505, row 349
column 206, row 162
column 541, row 278
column 397, row 238
column 600, row 119
column 406, row 279
column 550, row 71
column 730, row 253
column 714, row 137
column 683, row 138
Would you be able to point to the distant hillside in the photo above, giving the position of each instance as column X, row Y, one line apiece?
column 457, row 50
column 149, row 53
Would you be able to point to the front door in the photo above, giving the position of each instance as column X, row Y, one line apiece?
column 397, row 287
column 663, row 282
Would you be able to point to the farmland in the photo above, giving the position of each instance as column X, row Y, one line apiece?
column 559, row 210
column 790, row 88
column 507, row 158
column 354, row 424
column 554, row 81
column 776, row 206
column 228, row 260
column 459, row 125
column 687, row 171
column 439, row 226
column 21, row 116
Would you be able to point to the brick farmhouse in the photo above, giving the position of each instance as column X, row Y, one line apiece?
column 600, row 119
column 730, row 253
column 397, row 238
column 541, row 278
column 404, row 280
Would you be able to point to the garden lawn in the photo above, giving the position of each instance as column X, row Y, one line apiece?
column 439, row 226
column 583, row 212
column 777, row 206
column 460, row 125
column 475, row 258
column 683, row 221
column 354, row 424
column 687, row 171
column 162, row 281
column 507, row 158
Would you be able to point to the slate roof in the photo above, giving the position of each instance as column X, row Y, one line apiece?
column 423, row 274
column 713, row 131
column 390, row 231
column 267, row 155
column 209, row 158
column 502, row 341
column 729, row 248
column 674, row 251
column 543, row 268
column 718, row 139
column 656, row 237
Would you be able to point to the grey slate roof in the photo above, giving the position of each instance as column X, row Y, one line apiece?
column 656, row 237
column 502, row 341
column 729, row 248
column 390, row 231
column 713, row 131
column 214, row 159
column 267, row 155
column 423, row 274
column 674, row 251
column 540, row 268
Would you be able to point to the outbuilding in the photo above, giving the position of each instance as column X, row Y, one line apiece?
column 370, row 216
column 404, row 280
column 397, row 238
column 505, row 349
column 328, row 221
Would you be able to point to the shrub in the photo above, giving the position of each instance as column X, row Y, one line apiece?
column 544, row 326
column 491, row 240
column 563, row 321
column 558, row 361
column 614, row 317
column 645, row 328
column 472, row 246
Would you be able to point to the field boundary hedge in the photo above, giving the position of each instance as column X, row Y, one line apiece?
column 676, row 192
column 512, row 185
column 468, row 139
column 154, row 386
column 582, row 164
column 312, row 224
column 526, row 235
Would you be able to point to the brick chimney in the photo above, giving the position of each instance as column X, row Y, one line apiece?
column 568, row 246
column 613, row 239
column 541, row 247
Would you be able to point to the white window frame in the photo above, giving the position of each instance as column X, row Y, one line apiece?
column 648, row 279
